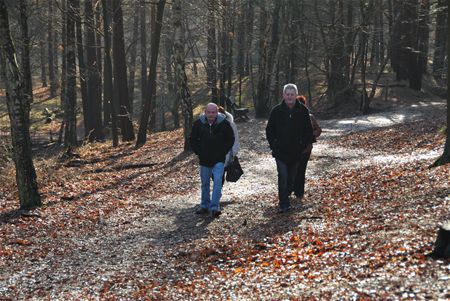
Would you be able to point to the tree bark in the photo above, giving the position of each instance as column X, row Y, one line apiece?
column 63, row 52
column 445, row 158
column 143, row 52
column 180, row 73
column 109, row 105
column 18, row 104
column 43, row 59
column 442, row 244
column 133, row 52
column 94, row 103
column 440, row 44
column 120, row 73
column 70, row 122
column 81, row 66
column 156, row 36
column 211, row 55
column 51, row 51
column 25, row 51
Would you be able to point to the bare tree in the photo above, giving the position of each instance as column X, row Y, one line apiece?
column 440, row 45
column 445, row 158
column 51, row 50
column 70, row 119
column 109, row 104
column 120, row 73
column 94, row 100
column 180, row 73
column 18, row 103
column 156, row 36
column 25, row 51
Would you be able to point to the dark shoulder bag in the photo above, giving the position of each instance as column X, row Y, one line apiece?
column 234, row 170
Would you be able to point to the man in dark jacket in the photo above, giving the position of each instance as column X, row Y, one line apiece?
column 211, row 139
column 288, row 132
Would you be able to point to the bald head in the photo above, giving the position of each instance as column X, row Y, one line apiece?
column 211, row 111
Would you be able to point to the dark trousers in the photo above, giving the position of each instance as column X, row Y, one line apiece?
column 299, row 186
column 286, row 180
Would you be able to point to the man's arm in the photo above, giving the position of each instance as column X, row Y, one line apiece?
column 194, row 139
column 270, row 130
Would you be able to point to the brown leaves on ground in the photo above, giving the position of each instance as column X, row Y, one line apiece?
column 405, row 137
column 360, row 233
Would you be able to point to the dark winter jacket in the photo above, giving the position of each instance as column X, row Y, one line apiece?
column 289, row 131
column 211, row 143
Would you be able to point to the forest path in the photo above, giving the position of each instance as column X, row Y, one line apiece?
column 128, row 248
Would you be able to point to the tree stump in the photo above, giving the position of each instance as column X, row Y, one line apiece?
column 442, row 244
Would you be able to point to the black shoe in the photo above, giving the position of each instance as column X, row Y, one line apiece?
column 215, row 213
column 284, row 210
column 201, row 211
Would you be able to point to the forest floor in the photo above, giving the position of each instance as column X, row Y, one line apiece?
column 111, row 229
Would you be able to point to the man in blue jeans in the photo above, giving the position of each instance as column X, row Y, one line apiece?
column 288, row 132
column 211, row 139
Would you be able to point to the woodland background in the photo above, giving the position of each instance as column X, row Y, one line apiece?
column 97, row 102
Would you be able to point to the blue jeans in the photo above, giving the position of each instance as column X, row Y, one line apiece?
column 286, row 180
column 208, row 201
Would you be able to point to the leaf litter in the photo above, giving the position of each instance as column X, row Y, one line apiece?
column 363, row 231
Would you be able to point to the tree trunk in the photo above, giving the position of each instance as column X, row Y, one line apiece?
column 94, row 103
column 249, row 17
column 211, row 56
column 51, row 51
column 223, row 47
column 42, row 62
column 168, row 46
column 241, row 43
column 423, row 34
column 133, row 52
column 180, row 74
column 152, row 122
column 442, row 244
column 445, row 158
column 63, row 52
column 109, row 106
column 348, row 42
column 25, row 51
column 18, row 104
column 156, row 36
column 120, row 73
column 81, row 66
column 440, row 45
column 260, row 102
column 143, row 52
column 231, row 11
column 98, row 39
column 70, row 122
